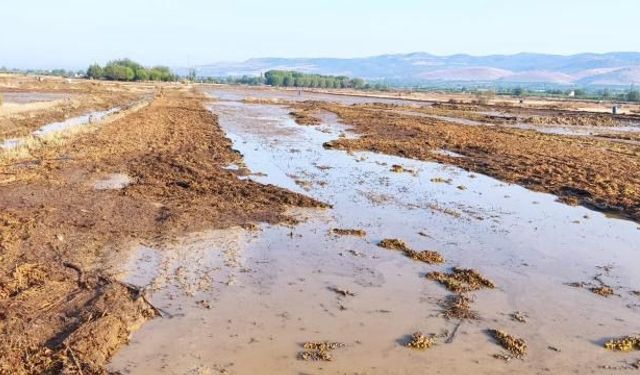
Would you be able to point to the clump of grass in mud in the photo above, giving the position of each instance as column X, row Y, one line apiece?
column 597, row 287
column 349, row 232
column 623, row 344
column 516, row 346
column 458, row 306
column 604, row 291
column 393, row 244
column 519, row 316
column 461, row 280
column 420, row 341
column 319, row 350
column 397, row 168
column 426, row 256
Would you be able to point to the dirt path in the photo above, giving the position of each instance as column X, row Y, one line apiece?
column 57, row 231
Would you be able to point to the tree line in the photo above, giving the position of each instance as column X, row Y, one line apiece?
column 129, row 70
column 286, row 78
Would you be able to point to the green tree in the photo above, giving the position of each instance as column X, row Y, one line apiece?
column 633, row 96
column 95, row 72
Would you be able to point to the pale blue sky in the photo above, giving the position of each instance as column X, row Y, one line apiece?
column 74, row 33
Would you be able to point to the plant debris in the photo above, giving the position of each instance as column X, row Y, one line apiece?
column 519, row 316
column 427, row 256
column 458, row 306
column 461, row 280
column 318, row 350
column 623, row 344
column 420, row 341
column 518, row 347
column 393, row 244
column 349, row 232
column 604, row 291
column 342, row 292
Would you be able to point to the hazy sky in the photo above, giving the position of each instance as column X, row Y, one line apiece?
column 74, row 33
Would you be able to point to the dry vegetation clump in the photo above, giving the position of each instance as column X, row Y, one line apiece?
column 604, row 291
column 623, row 344
column 303, row 117
column 427, row 256
column 517, row 346
column 519, row 316
column 458, row 306
column 461, row 280
column 319, row 350
column 420, row 341
column 597, row 286
column 397, row 168
column 349, row 232
column 394, row 244
column 574, row 120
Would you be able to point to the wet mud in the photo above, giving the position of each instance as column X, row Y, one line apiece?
column 306, row 282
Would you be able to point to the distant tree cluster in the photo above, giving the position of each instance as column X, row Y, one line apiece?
column 45, row 72
column 129, row 70
column 286, row 78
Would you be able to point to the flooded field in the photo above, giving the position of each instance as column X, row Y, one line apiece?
column 245, row 301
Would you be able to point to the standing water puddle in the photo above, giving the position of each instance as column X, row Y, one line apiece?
column 243, row 302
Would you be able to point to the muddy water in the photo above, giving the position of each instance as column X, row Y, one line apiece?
column 239, row 94
column 242, row 302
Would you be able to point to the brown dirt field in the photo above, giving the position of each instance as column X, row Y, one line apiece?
column 596, row 173
column 84, row 97
column 535, row 116
column 60, row 312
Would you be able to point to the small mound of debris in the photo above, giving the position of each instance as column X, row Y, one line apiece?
column 440, row 180
column 519, row 316
column 427, row 256
column 393, row 244
column 420, row 341
column 461, row 280
column 318, row 350
column 349, row 232
column 604, row 290
column 342, row 292
column 458, row 306
column 397, row 168
column 400, row 169
column 518, row 347
column 623, row 344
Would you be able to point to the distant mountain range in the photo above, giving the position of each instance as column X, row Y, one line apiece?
column 587, row 69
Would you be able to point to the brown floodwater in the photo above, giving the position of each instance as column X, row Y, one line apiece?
column 240, row 301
